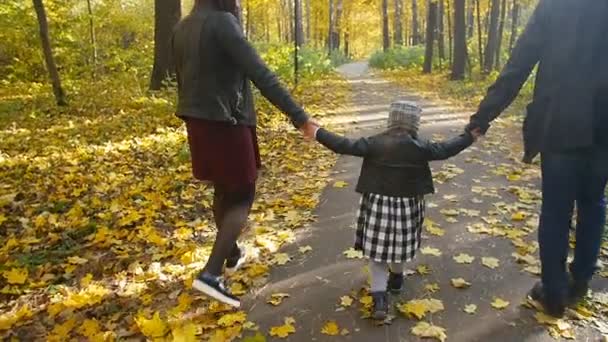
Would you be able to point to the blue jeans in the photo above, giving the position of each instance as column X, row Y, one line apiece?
column 570, row 178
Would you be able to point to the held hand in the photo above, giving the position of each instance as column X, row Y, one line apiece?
column 309, row 129
column 476, row 133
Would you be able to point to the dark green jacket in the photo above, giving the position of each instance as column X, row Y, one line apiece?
column 395, row 163
column 560, row 38
column 214, row 65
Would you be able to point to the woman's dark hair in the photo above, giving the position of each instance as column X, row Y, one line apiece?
column 222, row 5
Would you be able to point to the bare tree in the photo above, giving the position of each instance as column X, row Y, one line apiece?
column 308, row 37
column 514, row 24
column 299, row 28
column 460, row 41
column 501, row 31
column 93, row 39
column 431, row 29
column 386, row 40
column 331, row 26
column 167, row 14
column 441, row 30
column 470, row 19
column 415, row 24
column 398, row 24
column 450, row 35
column 48, row 53
column 492, row 43
column 479, row 33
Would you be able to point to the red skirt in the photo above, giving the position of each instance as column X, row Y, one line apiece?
column 223, row 153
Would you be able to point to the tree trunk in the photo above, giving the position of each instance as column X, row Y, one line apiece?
column 514, row 24
column 431, row 29
column 450, row 36
column 470, row 19
column 331, row 27
column 93, row 39
column 308, row 37
column 167, row 14
column 415, row 27
column 501, row 31
column 299, row 29
column 479, row 33
column 386, row 40
column 398, row 24
column 460, row 41
column 338, row 24
column 48, row 53
column 346, row 44
column 440, row 30
column 492, row 37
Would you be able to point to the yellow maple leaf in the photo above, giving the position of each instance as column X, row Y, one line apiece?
column 7, row 320
column 86, row 280
column 76, row 260
column 427, row 330
column 464, row 258
column 231, row 319
column 89, row 328
column 340, row 184
column 154, row 327
column 61, row 332
column 16, row 275
column 277, row 298
column 519, row 216
column 470, row 309
column 351, row 253
column 490, row 262
column 331, row 328
column 432, row 288
column 284, row 330
column 281, row 259
column 184, row 333
column 423, row 269
column 237, row 289
column 418, row 308
column 460, row 283
column 305, row 249
column 430, row 251
column 346, row 301
column 499, row 303
column 89, row 296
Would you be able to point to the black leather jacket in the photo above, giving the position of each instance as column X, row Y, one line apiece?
column 214, row 65
column 395, row 163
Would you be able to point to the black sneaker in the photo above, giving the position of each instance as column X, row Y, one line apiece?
column 395, row 282
column 213, row 287
column 555, row 308
column 380, row 309
column 234, row 262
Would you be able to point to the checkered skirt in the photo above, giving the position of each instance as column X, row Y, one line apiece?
column 389, row 228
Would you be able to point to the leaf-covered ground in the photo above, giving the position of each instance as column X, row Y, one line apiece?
column 102, row 227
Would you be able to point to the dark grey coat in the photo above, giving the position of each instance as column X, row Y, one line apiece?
column 214, row 64
column 560, row 37
column 395, row 163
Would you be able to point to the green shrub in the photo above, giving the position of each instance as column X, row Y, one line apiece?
column 401, row 57
column 312, row 62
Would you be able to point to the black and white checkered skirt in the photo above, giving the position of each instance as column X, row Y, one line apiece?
column 389, row 228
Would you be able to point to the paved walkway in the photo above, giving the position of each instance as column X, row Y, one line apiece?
column 315, row 281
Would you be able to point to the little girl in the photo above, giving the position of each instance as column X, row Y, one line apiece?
column 394, row 179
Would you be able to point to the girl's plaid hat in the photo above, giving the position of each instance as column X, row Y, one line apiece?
column 404, row 114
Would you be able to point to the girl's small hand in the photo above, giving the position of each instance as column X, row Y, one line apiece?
column 476, row 133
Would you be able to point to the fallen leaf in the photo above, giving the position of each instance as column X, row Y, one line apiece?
column 499, row 303
column 430, row 251
column 518, row 216
column 423, row 269
column 346, row 301
column 340, row 184
column 427, row 330
column 277, row 298
column 284, row 330
column 460, row 283
column 432, row 288
column 330, row 328
column 464, row 258
column 471, row 309
column 154, row 327
column 351, row 253
column 16, row 276
column 418, row 308
column 231, row 319
column 490, row 262
column 305, row 249
column 184, row 333
column 281, row 259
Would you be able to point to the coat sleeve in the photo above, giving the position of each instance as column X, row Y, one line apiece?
column 342, row 145
column 443, row 150
column 231, row 38
column 524, row 57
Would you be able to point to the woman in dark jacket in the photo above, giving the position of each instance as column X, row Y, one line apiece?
column 214, row 64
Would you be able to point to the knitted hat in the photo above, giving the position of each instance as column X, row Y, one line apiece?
column 404, row 114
